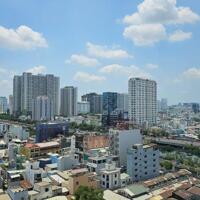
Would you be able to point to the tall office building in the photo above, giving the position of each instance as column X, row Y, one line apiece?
column 195, row 107
column 28, row 86
column 109, row 105
column 42, row 109
column 142, row 101
column 163, row 104
column 98, row 103
column 109, row 102
column 11, row 104
column 95, row 101
column 122, row 101
column 3, row 105
column 68, row 105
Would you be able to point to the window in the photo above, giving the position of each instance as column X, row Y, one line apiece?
column 77, row 183
column 115, row 182
column 107, row 178
column 145, row 173
column 135, row 158
column 115, row 175
column 46, row 189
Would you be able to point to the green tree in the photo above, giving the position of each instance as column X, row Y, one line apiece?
column 166, row 164
column 88, row 193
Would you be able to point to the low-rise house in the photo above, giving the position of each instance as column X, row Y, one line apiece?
column 44, row 189
column 125, row 179
column 68, row 161
column 78, row 177
column 108, row 195
column 133, row 191
column 40, row 150
column 17, row 193
column 110, row 176
column 33, row 173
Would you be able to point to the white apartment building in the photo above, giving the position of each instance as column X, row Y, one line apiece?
column 16, row 132
column 121, row 140
column 83, row 107
column 68, row 161
column 33, row 173
column 68, row 105
column 110, row 176
column 42, row 109
column 28, row 86
column 143, row 162
column 142, row 101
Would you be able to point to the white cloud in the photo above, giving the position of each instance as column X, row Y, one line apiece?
column 6, row 81
column 161, row 12
column 6, row 73
column 187, row 16
column 37, row 69
column 192, row 73
column 6, row 86
column 180, row 35
column 130, row 71
column 21, row 38
column 106, row 52
column 145, row 34
column 151, row 66
column 83, row 60
column 86, row 77
column 148, row 25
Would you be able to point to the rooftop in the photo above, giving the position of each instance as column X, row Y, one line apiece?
column 135, row 190
column 42, row 184
column 108, row 195
column 47, row 144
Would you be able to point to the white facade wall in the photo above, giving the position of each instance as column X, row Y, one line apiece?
column 28, row 86
column 142, row 101
column 110, row 176
column 67, row 162
column 19, row 132
column 68, row 101
column 143, row 162
column 17, row 193
column 42, row 109
column 83, row 107
column 122, row 101
column 121, row 140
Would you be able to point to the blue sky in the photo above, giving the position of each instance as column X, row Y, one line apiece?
column 97, row 45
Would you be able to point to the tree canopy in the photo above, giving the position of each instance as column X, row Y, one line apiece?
column 88, row 193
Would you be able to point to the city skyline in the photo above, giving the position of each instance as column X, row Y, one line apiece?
column 100, row 54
